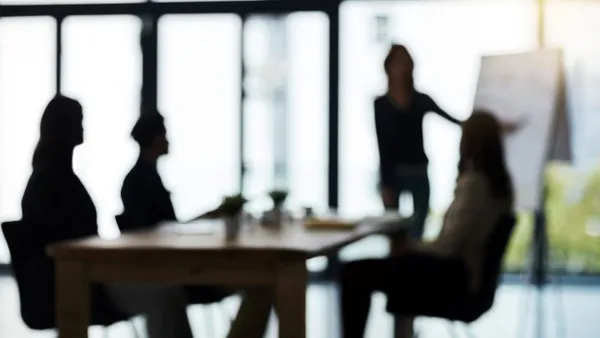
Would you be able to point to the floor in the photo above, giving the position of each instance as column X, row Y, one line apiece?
column 570, row 311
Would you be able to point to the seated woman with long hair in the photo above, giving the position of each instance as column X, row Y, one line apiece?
column 452, row 264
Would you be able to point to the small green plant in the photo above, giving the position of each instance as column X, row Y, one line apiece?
column 278, row 197
column 232, row 205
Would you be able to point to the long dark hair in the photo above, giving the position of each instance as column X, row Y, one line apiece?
column 57, row 134
column 482, row 149
column 396, row 49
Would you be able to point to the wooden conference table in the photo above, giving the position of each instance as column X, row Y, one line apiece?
column 259, row 257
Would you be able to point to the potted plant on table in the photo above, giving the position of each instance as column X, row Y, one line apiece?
column 231, row 209
column 278, row 197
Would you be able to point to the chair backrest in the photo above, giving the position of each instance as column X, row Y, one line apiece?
column 33, row 273
column 493, row 261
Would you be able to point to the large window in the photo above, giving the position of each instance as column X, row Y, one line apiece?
column 447, row 40
column 199, row 81
column 286, row 107
column 573, row 205
column 102, row 69
column 266, row 72
column 27, row 83
column 285, row 111
column 308, row 108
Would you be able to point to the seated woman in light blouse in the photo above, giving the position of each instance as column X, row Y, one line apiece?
column 453, row 263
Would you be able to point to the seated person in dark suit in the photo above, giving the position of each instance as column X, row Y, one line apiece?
column 452, row 264
column 58, row 207
column 146, row 201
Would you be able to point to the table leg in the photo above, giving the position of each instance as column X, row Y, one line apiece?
column 290, row 299
column 72, row 300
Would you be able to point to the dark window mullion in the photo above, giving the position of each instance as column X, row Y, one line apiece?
column 333, row 166
column 59, row 44
column 149, row 46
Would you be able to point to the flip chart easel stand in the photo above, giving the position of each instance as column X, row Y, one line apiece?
column 537, row 281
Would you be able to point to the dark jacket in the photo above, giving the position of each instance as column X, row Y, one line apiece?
column 146, row 201
column 400, row 133
column 57, row 207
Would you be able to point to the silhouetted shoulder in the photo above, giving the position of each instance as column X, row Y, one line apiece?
column 425, row 101
column 136, row 181
column 380, row 99
column 379, row 102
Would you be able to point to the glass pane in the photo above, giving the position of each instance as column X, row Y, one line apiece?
column 573, row 206
column 27, row 83
column 102, row 69
column 199, row 81
column 308, row 108
column 265, row 76
column 286, row 108
column 447, row 51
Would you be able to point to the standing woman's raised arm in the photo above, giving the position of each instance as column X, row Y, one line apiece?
column 433, row 106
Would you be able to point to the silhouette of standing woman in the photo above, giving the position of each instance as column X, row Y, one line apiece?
column 399, row 125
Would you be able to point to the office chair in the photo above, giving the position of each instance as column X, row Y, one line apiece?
column 471, row 307
column 37, row 303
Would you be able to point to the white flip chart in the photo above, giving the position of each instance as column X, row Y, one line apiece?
column 525, row 88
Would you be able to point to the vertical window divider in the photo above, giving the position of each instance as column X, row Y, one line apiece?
column 59, row 43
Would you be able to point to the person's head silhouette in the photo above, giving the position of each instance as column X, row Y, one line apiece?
column 61, row 130
column 482, row 149
column 399, row 66
column 150, row 134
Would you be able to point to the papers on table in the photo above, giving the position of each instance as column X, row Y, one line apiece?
column 329, row 224
column 209, row 227
column 199, row 227
column 339, row 223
